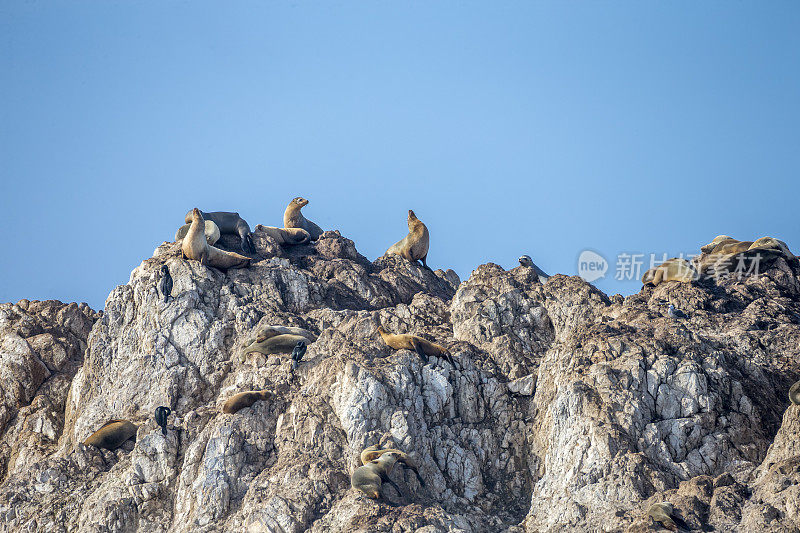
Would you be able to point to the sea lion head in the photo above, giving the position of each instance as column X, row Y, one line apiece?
column 525, row 260
column 196, row 214
column 411, row 215
column 300, row 201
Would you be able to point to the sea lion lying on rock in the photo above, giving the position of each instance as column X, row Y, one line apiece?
column 112, row 434
column 674, row 269
column 285, row 236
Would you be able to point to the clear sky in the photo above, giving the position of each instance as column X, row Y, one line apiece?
column 543, row 128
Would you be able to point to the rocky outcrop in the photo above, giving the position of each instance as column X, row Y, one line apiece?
column 565, row 409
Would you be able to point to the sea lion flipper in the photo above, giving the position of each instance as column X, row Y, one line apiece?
column 419, row 350
column 393, row 484
column 247, row 244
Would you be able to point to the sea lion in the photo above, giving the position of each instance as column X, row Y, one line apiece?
column 161, row 418
column 293, row 218
column 229, row 223
column 526, row 261
column 413, row 246
column 771, row 243
column 283, row 343
column 243, row 399
column 719, row 239
column 370, row 477
column 297, row 353
column 373, row 452
column 266, row 332
column 285, row 235
column 194, row 246
column 211, row 232
column 794, row 393
column 674, row 269
column 165, row 283
column 423, row 347
column 112, row 434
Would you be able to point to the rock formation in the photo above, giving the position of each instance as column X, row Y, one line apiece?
column 570, row 410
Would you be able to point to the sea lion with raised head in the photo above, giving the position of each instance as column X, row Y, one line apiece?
column 283, row 343
column 230, row 224
column 243, row 399
column 413, row 246
column 423, row 347
column 370, row 477
column 285, row 235
column 112, row 434
column 211, row 232
column 194, row 246
column 293, row 218
column 373, row 452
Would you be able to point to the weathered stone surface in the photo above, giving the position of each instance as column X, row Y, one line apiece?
column 566, row 410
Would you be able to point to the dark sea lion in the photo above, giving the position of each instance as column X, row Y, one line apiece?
column 229, row 223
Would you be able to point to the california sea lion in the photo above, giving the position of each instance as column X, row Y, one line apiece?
column 165, row 283
column 283, row 343
column 229, row 223
column 373, row 452
column 719, row 239
column 265, row 332
column 112, row 434
column 286, row 235
column 413, row 246
column 293, row 218
column 369, row 477
column 771, row 243
column 211, row 232
column 794, row 393
column 243, row 399
column 195, row 247
column 161, row 418
column 674, row 269
column 423, row 347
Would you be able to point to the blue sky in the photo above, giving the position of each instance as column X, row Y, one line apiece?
column 543, row 128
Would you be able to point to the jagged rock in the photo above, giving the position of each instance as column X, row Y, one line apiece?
column 566, row 410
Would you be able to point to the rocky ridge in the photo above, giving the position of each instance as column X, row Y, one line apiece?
column 567, row 410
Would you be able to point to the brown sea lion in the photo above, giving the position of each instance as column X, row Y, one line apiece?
column 229, row 223
column 674, row 269
column 285, row 235
column 243, row 399
column 112, row 434
column 719, row 239
column 293, row 218
column 370, row 477
column 283, row 343
column 194, row 246
column 211, row 231
column 423, row 347
column 373, row 452
column 413, row 246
